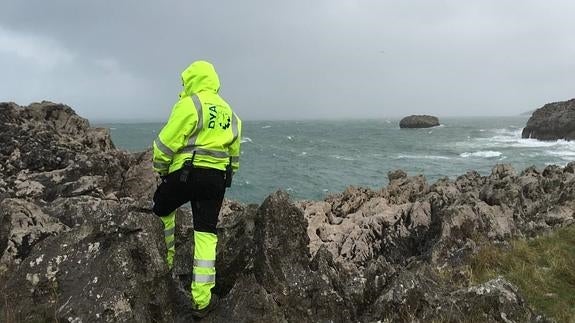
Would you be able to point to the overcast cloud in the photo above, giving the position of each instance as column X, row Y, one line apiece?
column 291, row 59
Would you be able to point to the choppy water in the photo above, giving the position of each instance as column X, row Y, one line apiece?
column 311, row 159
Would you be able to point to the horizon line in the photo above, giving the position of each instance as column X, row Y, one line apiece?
column 135, row 120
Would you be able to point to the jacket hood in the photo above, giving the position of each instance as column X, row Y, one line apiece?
column 200, row 76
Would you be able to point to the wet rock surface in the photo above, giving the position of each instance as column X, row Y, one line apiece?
column 419, row 121
column 78, row 242
column 552, row 121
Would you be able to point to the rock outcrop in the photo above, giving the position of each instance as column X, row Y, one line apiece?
column 78, row 242
column 419, row 121
column 551, row 122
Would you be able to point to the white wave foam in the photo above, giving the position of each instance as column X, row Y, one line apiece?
column 556, row 164
column 289, row 137
column 342, row 157
column 266, row 127
column 421, row 157
column 505, row 135
column 503, row 138
column 568, row 155
column 509, row 131
column 511, row 137
column 246, row 139
column 561, row 152
column 482, row 154
column 537, row 143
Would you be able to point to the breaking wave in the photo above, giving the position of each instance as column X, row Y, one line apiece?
column 421, row 157
column 482, row 154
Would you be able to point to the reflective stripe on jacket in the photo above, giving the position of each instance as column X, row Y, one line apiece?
column 201, row 122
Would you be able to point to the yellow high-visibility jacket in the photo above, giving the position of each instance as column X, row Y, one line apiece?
column 201, row 122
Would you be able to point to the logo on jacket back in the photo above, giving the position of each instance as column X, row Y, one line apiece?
column 224, row 120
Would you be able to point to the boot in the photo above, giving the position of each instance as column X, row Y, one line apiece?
column 214, row 300
column 182, row 301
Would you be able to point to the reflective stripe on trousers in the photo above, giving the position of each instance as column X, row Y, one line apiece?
column 204, row 272
column 169, row 222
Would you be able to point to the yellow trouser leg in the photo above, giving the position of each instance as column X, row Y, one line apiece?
column 169, row 229
column 204, row 273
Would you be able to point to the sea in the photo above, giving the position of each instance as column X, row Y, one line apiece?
column 312, row 159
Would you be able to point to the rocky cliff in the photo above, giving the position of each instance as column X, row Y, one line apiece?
column 552, row 121
column 78, row 242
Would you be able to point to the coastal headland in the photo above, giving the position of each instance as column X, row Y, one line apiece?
column 79, row 243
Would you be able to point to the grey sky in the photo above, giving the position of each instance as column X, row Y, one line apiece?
column 291, row 59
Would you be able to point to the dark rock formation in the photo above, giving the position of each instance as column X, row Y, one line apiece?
column 551, row 122
column 419, row 121
column 78, row 242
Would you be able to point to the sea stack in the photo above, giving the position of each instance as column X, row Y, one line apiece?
column 552, row 121
column 419, row 121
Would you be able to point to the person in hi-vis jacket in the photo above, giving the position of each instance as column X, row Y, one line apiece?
column 196, row 153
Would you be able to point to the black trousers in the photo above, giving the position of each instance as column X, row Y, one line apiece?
column 204, row 189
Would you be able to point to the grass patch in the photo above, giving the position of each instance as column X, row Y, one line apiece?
column 542, row 268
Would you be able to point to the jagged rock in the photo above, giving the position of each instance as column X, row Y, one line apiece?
column 63, row 211
column 552, row 121
column 248, row 302
column 397, row 174
column 236, row 245
column 418, row 294
column 406, row 189
column 48, row 152
column 494, row 301
column 442, row 222
column 140, row 180
column 419, row 121
column 570, row 168
column 501, row 189
column 45, row 136
column 349, row 201
column 78, row 241
column 412, row 295
column 108, row 272
column 22, row 226
column 282, row 265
